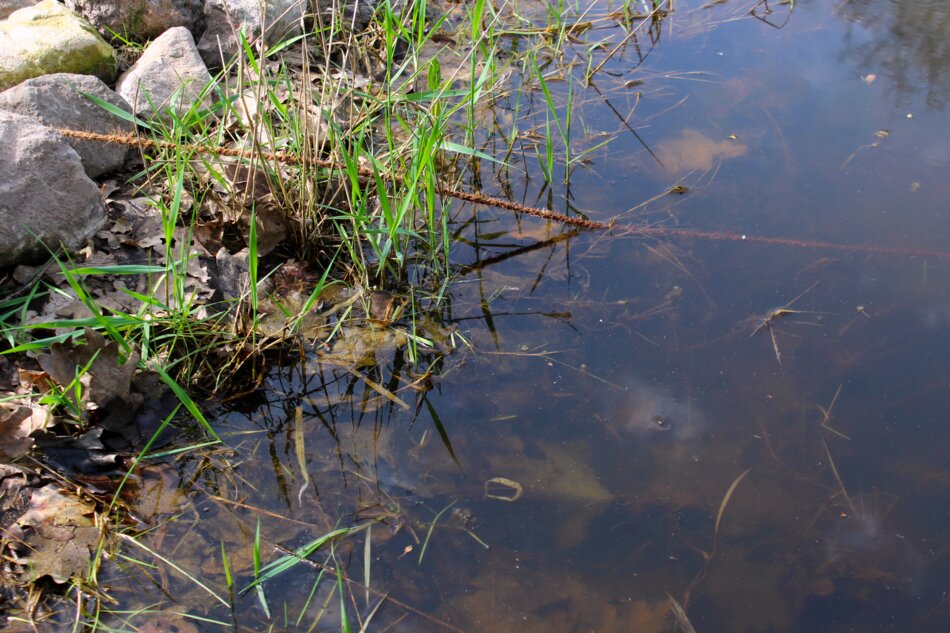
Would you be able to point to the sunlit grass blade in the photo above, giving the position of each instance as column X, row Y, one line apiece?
column 116, row 111
column 185, row 399
column 227, row 568
column 258, row 589
column 288, row 561
column 449, row 146
column 367, row 560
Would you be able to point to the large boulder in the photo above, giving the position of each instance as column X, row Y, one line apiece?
column 169, row 74
column 45, row 196
column 141, row 20
column 58, row 101
column 49, row 38
column 9, row 6
column 278, row 20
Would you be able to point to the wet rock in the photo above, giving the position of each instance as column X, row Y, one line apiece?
column 57, row 101
column 225, row 18
column 45, row 195
column 169, row 74
column 9, row 6
column 49, row 38
column 140, row 20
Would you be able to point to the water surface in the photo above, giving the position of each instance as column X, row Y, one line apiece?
column 808, row 121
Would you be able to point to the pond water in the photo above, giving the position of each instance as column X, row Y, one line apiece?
column 756, row 429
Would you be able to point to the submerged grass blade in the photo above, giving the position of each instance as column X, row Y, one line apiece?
column 181, row 571
column 834, row 471
column 425, row 543
column 680, row 614
column 727, row 497
column 313, row 592
column 369, row 616
column 344, row 619
column 440, row 428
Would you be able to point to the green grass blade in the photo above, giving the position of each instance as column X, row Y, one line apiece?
column 116, row 110
column 288, row 561
column 449, row 146
column 186, row 400
column 344, row 619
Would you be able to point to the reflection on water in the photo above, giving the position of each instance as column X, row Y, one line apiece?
column 758, row 431
column 907, row 46
column 652, row 411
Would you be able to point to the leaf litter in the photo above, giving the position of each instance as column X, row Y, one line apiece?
column 55, row 537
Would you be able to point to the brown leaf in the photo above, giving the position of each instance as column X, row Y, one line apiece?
column 17, row 423
column 33, row 381
column 271, row 228
column 105, row 379
column 62, row 559
column 15, row 493
column 59, row 532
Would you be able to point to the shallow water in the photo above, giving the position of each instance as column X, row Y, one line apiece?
column 803, row 482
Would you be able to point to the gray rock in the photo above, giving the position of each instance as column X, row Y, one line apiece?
column 57, row 102
column 49, row 38
column 278, row 19
column 141, row 20
column 9, row 6
column 169, row 74
column 45, row 195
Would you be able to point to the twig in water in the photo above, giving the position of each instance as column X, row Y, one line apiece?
column 768, row 320
column 834, row 471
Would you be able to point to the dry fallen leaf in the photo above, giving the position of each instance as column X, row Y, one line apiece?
column 59, row 534
column 106, row 381
column 17, row 423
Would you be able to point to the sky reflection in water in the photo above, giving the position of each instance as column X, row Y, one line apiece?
column 831, row 128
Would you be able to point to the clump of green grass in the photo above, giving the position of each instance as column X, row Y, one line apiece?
column 348, row 147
